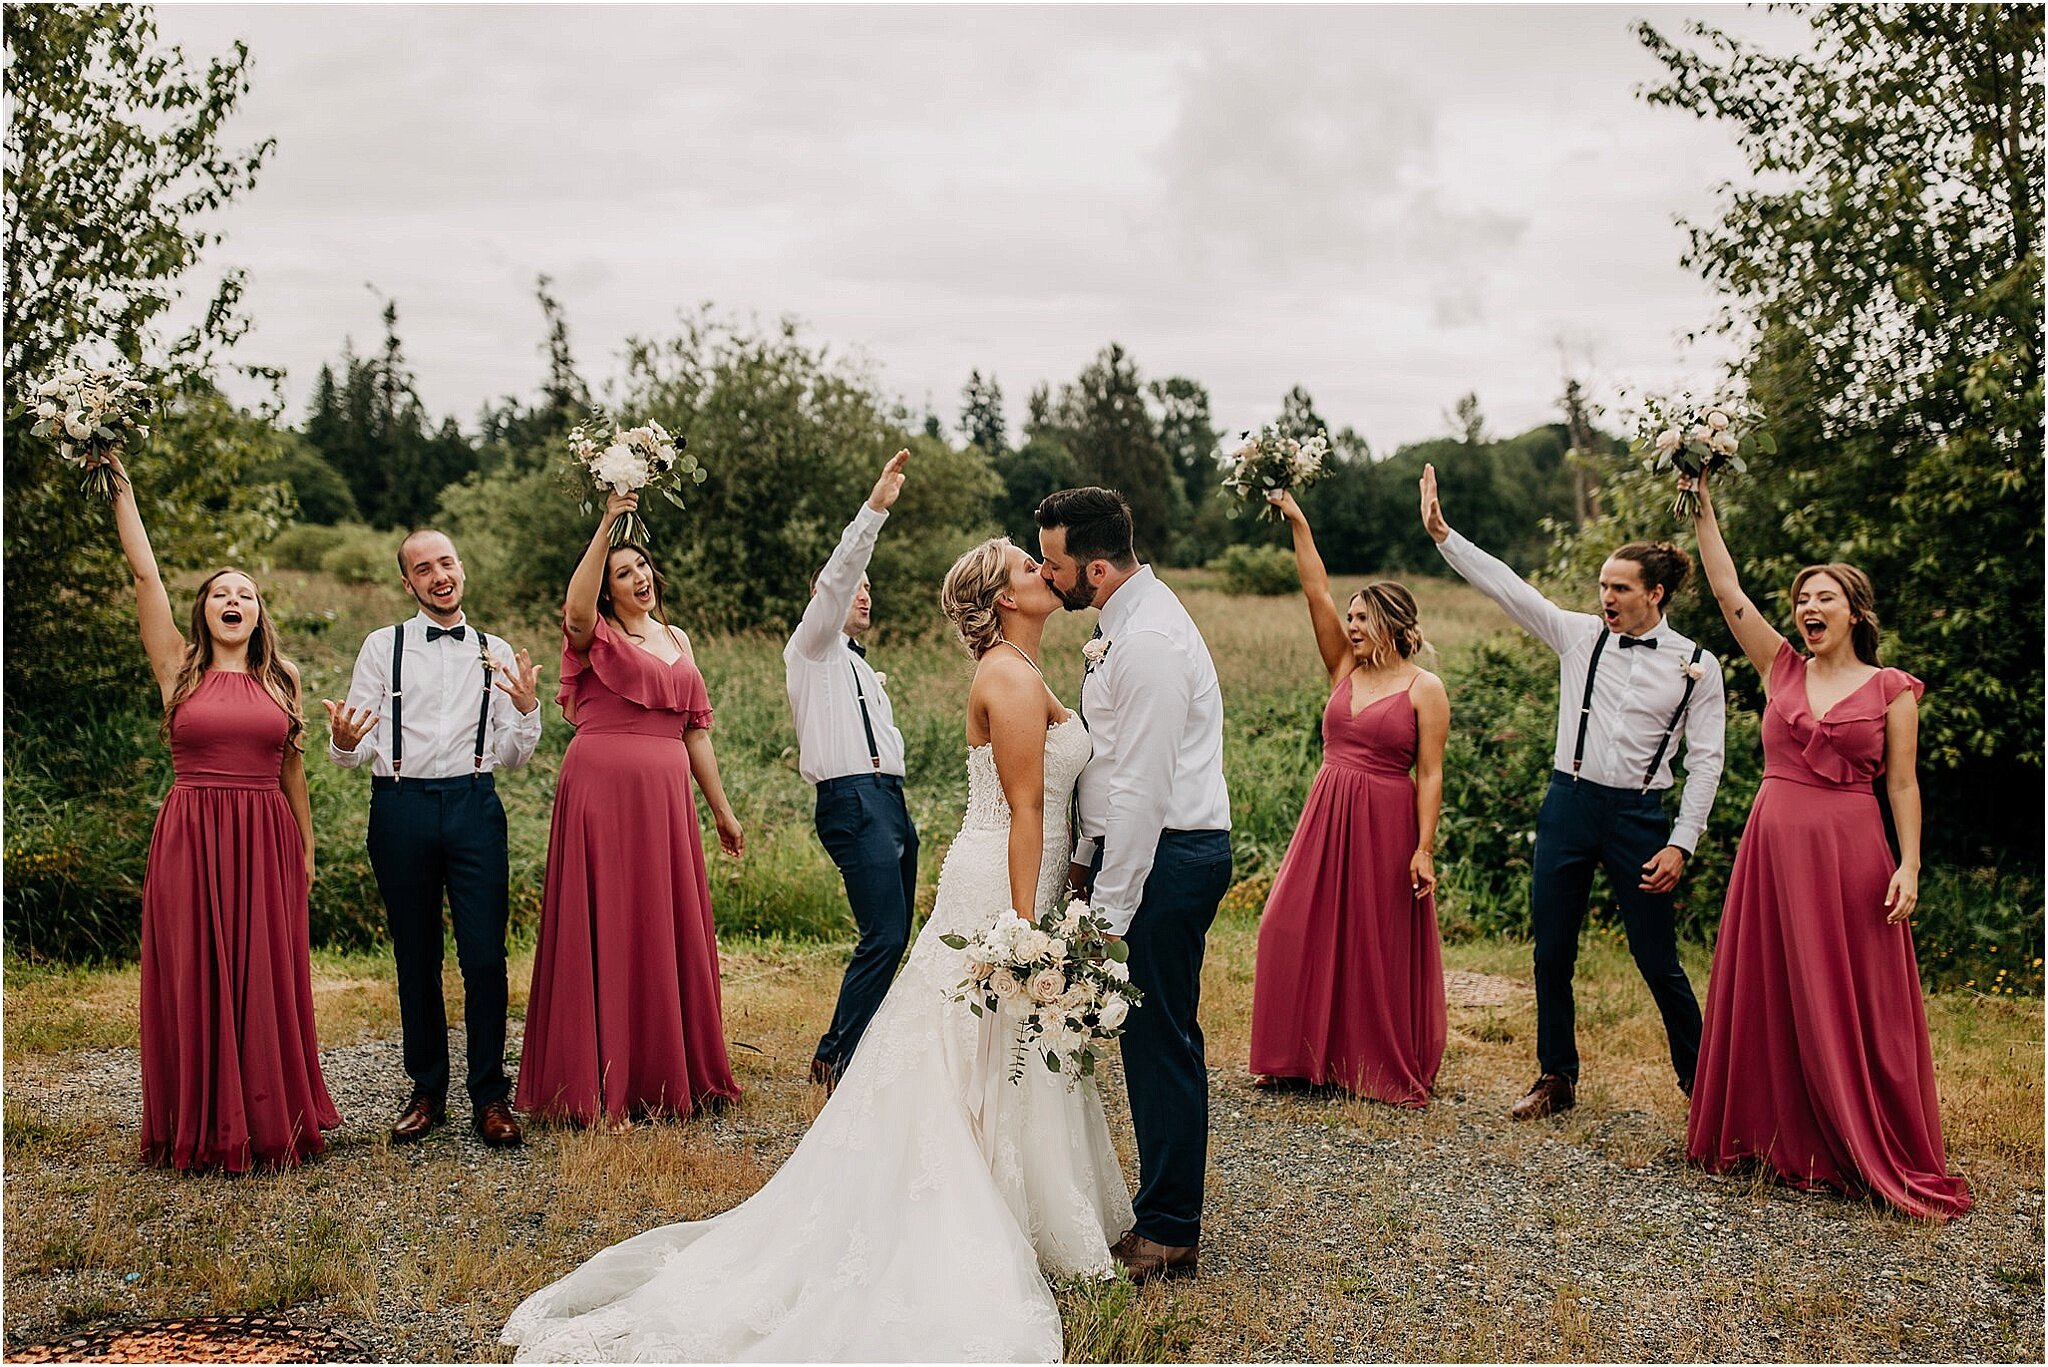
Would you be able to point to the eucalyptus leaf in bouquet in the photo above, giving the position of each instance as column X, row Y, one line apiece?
column 90, row 413
column 626, row 460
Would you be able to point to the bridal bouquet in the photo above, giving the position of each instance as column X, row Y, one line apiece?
column 1270, row 462
column 91, row 413
column 1070, row 978
column 1695, row 439
column 627, row 459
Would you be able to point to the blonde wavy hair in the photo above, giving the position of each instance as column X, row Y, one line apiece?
column 267, row 664
column 1392, row 621
column 968, row 597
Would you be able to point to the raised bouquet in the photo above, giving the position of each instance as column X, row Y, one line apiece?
column 1068, row 978
column 1697, row 439
column 1270, row 461
column 626, row 460
column 90, row 413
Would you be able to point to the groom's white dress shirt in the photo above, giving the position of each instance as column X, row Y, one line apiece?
column 821, row 671
column 1155, row 718
column 444, row 685
column 1635, row 693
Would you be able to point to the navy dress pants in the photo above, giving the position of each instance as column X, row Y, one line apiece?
column 866, row 828
column 429, row 838
column 1166, row 1073
column 1584, row 826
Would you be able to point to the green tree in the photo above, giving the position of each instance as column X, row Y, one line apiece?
column 981, row 415
column 1887, row 263
column 1188, row 432
column 1114, row 442
column 116, row 154
column 1465, row 420
column 318, row 489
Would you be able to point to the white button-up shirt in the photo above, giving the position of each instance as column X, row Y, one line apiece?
column 1636, row 693
column 444, row 684
column 1155, row 716
column 822, row 673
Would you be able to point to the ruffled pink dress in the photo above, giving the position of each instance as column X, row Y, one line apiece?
column 230, row 1062
column 1350, row 983
column 624, row 1015
column 1815, row 1057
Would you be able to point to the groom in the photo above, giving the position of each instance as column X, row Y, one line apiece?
column 1154, row 842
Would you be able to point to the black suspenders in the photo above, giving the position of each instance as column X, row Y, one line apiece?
column 483, row 709
column 1670, row 728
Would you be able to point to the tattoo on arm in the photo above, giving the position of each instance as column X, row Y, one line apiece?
column 1739, row 612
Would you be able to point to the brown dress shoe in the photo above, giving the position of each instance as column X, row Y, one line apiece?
column 1146, row 1261
column 494, row 1125
column 825, row 1073
column 1550, row 1094
column 421, row 1114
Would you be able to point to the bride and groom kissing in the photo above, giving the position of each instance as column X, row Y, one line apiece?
column 921, row 1214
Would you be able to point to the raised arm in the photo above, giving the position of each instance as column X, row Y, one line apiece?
column 1759, row 640
column 161, row 639
column 1331, row 640
column 1518, row 598
column 579, row 607
column 1013, row 700
column 1902, row 786
column 817, row 635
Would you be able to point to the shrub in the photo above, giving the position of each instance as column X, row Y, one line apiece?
column 303, row 546
column 362, row 556
column 1259, row 570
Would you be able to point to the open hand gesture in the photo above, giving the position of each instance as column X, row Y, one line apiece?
column 890, row 484
column 521, row 683
column 347, row 724
column 1432, row 508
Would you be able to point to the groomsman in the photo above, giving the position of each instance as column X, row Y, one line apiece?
column 1153, row 848
column 848, row 747
column 1630, row 689
column 435, row 707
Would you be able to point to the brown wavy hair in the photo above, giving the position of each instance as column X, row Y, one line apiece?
column 1661, row 563
column 267, row 664
column 1391, row 616
column 968, row 596
column 1861, row 598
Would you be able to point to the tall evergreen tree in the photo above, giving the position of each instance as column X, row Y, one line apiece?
column 981, row 415
column 1114, row 442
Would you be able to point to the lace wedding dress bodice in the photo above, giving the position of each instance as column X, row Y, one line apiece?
column 918, row 1218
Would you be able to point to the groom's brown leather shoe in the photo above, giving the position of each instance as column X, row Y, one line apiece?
column 494, row 1125
column 1550, row 1094
column 1147, row 1261
column 421, row 1114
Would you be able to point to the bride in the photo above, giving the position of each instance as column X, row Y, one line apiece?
column 919, row 1217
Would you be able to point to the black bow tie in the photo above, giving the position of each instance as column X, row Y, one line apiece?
column 1631, row 642
column 436, row 633
column 856, row 647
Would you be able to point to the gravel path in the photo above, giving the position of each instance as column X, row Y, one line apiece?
column 1337, row 1230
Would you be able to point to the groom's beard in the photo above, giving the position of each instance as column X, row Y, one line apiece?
column 1082, row 595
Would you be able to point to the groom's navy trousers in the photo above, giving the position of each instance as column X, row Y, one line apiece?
column 1165, row 1070
column 866, row 828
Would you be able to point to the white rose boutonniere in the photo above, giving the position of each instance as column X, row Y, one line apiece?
column 1694, row 670
column 881, row 679
column 1093, row 652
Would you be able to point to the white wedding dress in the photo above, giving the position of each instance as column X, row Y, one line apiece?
column 920, row 1215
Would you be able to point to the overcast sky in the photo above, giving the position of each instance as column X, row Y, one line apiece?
column 1389, row 205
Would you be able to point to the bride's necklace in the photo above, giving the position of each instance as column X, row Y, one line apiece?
column 1004, row 640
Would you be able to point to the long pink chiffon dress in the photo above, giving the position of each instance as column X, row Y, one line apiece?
column 1349, row 987
column 1815, row 1058
column 624, row 1015
column 230, row 1061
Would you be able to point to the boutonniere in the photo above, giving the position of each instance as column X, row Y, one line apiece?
column 484, row 656
column 881, row 679
column 1096, row 648
column 1694, row 670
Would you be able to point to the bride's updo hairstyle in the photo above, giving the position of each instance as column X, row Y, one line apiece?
column 968, row 597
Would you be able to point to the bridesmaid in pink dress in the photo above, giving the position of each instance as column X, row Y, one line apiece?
column 1815, row 1058
column 230, row 1062
column 624, row 1018
column 1350, row 986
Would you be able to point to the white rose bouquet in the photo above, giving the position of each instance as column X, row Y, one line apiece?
column 628, row 459
column 1063, row 972
column 91, row 413
column 1269, row 462
column 1694, row 439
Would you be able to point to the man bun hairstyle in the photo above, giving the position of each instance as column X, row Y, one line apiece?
column 1663, row 565
column 968, row 596
column 1097, row 523
column 1859, row 594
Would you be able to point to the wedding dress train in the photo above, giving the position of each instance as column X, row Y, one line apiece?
column 920, row 1215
